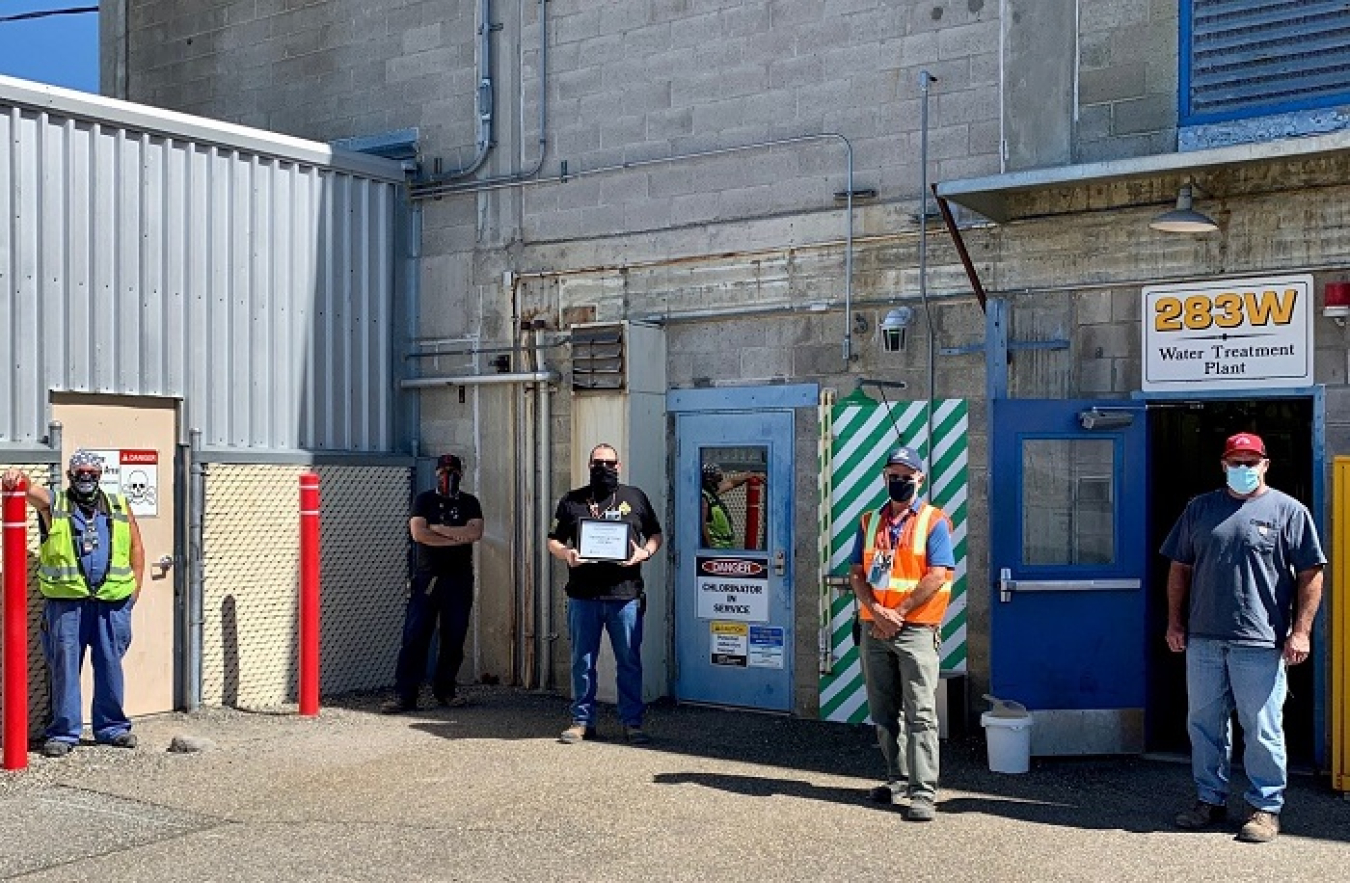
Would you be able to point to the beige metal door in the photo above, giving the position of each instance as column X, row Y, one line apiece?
column 137, row 438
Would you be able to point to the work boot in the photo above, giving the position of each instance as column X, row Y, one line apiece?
column 1260, row 827
column 576, row 733
column 920, row 809
column 123, row 740
column 888, row 792
column 636, row 735
column 398, row 706
column 56, row 748
column 1202, row 815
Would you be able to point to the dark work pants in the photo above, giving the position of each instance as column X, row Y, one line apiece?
column 447, row 599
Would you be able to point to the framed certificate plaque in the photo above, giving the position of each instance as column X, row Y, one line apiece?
column 600, row 540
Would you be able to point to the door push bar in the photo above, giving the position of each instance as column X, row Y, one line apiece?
column 1007, row 585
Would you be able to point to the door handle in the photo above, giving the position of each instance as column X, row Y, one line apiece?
column 779, row 563
column 165, row 564
column 1007, row 585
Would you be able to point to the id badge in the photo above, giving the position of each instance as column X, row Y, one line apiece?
column 879, row 577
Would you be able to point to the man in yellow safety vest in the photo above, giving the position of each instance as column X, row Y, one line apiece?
column 90, row 571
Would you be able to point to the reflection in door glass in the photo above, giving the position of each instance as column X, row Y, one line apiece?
column 735, row 492
column 1067, row 501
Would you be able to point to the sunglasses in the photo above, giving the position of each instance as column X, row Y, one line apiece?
column 86, row 475
column 608, row 463
column 1245, row 464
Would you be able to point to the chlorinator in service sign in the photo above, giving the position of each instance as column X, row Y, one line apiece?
column 1230, row 333
column 733, row 588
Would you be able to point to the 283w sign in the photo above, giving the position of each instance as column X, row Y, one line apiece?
column 1230, row 333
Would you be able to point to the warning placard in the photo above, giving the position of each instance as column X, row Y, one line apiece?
column 766, row 646
column 134, row 473
column 733, row 588
column 728, row 642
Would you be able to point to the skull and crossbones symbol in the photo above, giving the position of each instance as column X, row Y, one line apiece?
column 139, row 489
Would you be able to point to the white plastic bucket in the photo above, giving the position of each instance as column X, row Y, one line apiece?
column 1007, row 733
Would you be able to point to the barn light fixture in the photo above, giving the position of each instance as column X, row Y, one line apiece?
column 1183, row 218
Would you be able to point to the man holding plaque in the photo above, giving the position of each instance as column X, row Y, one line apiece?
column 604, row 531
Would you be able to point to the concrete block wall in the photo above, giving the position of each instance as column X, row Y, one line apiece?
column 1127, row 79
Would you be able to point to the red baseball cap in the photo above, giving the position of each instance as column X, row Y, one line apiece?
column 451, row 462
column 1244, row 443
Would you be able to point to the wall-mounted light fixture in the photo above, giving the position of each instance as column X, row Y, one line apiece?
column 893, row 327
column 1184, row 218
column 1336, row 302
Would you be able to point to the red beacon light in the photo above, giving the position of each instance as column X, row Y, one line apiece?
column 1336, row 300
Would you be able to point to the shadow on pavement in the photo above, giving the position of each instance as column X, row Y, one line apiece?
column 1107, row 793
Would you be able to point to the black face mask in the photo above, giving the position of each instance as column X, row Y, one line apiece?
column 83, row 490
column 604, row 479
column 900, row 488
column 448, row 484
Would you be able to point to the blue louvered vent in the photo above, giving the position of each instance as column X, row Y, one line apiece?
column 1249, row 58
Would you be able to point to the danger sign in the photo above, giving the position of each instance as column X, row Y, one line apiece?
column 134, row 473
column 733, row 588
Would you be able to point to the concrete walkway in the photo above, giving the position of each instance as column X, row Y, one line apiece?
column 487, row 793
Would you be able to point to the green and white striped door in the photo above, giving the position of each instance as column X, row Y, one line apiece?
column 857, row 433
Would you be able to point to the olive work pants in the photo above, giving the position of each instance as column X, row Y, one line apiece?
column 902, row 680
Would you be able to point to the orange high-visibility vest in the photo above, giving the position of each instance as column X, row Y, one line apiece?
column 908, row 564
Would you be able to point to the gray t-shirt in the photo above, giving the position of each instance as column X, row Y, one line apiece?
column 1245, row 554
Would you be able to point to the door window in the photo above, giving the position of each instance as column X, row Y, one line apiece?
column 1067, row 501
column 734, row 488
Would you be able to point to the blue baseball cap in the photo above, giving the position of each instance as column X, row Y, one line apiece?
column 905, row 457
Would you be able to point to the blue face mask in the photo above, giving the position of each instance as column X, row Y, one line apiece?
column 1243, row 479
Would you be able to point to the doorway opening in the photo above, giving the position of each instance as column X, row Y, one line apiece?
column 1185, row 442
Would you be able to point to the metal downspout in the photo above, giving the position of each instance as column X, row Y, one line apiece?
column 543, row 581
column 196, row 582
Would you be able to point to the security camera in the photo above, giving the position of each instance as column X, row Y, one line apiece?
column 1096, row 418
column 892, row 329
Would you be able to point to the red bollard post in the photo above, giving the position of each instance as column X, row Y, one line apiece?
column 15, row 528
column 309, row 594
column 754, row 512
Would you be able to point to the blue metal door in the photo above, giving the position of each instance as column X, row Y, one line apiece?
column 1069, row 555
column 733, row 572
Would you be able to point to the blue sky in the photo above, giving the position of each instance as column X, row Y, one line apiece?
column 61, row 50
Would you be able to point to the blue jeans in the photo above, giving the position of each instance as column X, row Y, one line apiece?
column 585, row 619
column 1221, row 676
column 449, row 600
column 68, row 627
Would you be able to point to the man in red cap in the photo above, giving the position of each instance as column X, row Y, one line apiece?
column 1242, row 594
column 445, row 524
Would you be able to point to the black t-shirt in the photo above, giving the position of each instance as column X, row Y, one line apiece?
column 605, row 580
column 451, row 512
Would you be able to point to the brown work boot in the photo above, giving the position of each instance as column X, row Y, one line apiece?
column 1260, row 827
column 576, row 733
column 1202, row 815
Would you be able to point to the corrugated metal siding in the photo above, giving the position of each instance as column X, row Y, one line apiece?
column 1261, row 56
column 257, row 287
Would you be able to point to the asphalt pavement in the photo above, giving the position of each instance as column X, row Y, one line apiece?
column 486, row 792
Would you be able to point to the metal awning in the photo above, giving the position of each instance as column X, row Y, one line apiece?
column 1219, row 172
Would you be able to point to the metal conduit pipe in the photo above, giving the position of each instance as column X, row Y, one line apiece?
column 430, row 188
column 480, row 379
column 925, row 80
column 477, row 186
column 482, row 98
column 196, row 582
